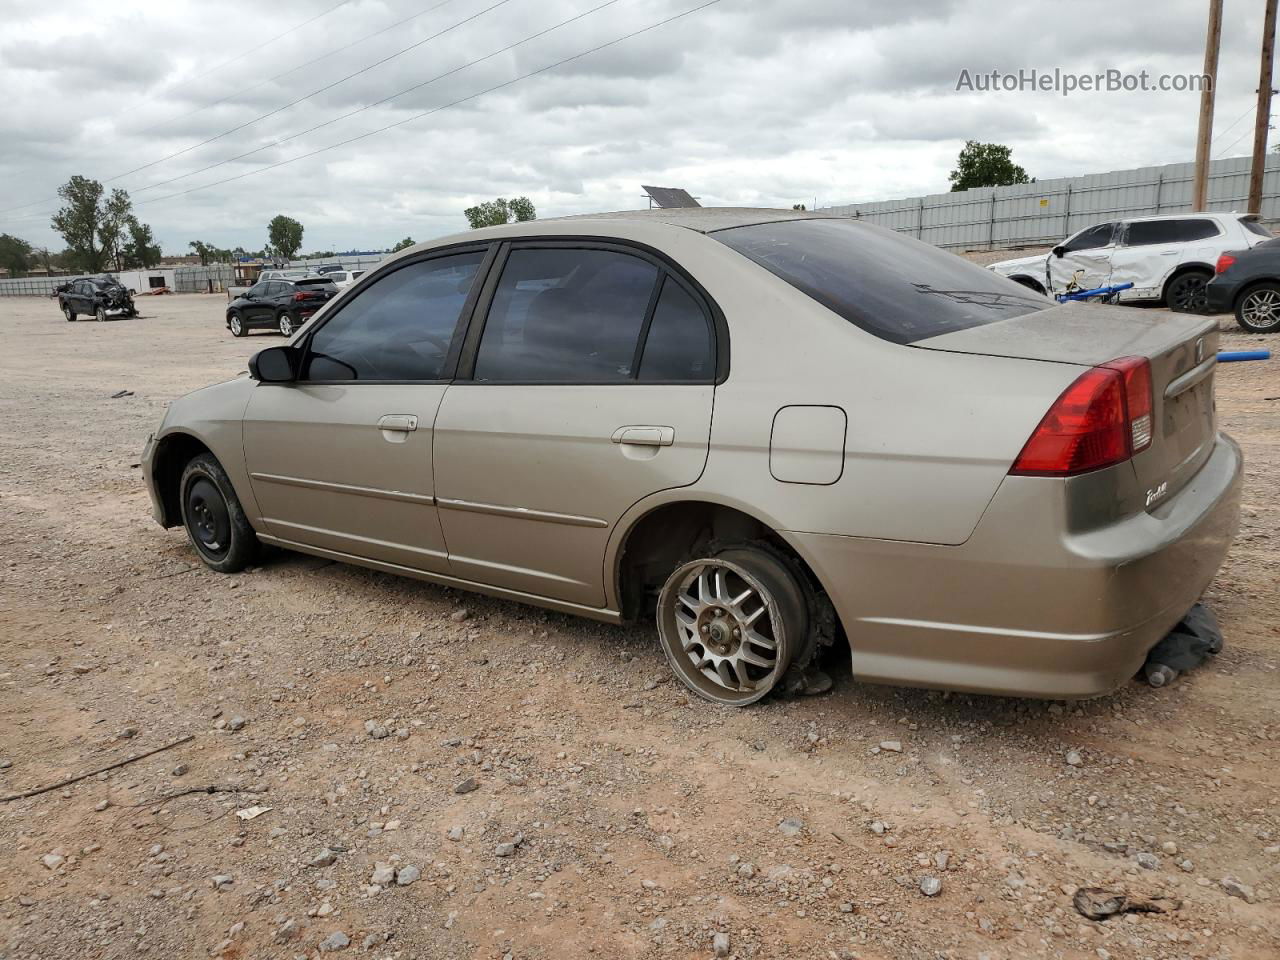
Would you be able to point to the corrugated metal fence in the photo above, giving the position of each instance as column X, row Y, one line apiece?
column 1042, row 213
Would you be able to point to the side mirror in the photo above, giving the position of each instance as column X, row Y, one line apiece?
column 1058, row 251
column 275, row 365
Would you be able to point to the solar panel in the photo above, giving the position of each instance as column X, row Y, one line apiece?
column 668, row 197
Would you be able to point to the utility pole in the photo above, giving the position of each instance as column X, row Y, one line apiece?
column 1211, row 44
column 1262, row 122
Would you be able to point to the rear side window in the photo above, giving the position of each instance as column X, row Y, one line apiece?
column 679, row 345
column 894, row 286
column 1143, row 233
column 398, row 328
column 562, row 315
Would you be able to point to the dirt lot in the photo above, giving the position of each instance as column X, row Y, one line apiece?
column 612, row 816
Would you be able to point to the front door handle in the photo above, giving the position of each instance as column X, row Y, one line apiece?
column 645, row 436
column 398, row 423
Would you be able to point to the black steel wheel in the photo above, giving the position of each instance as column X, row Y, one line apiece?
column 214, row 520
column 1186, row 294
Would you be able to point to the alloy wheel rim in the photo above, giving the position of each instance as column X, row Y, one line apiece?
column 235, row 326
column 726, row 628
column 1190, row 294
column 286, row 326
column 1262, row 308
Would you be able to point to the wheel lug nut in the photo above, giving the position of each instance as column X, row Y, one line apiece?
column 737, row 632
column 705, row 628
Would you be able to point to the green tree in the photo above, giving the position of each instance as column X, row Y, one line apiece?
column 494, row 213
column 985, row 165
column 79, row 221
column 116, row 214
column 285, row 235
column 797, row 206
column 201, row 250
column 404, row 244
column 15, row 254
column 140, row 249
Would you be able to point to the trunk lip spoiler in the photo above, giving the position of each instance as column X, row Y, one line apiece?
column 1189, row 379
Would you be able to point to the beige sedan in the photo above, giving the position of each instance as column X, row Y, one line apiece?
column 768, row 431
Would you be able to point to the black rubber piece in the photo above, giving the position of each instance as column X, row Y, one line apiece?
column 1194, row 640
column 212, row 515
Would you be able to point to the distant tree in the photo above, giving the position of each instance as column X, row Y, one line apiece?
column 494, row 213
column 116, row 214
column 201, row 250
column 285, row 235
column 797, row 206
column 404, row 244
column 79, row 222
column 985, row 165
column 15, row 254
column 140, row 249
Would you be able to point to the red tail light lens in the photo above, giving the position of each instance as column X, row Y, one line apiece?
column 301, row 296
column 1103, row 418
column 1224, row 261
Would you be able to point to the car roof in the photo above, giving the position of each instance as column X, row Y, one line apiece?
column 1211, row 214
column 705, row 219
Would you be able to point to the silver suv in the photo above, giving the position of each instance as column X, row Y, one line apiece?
column 766, row 430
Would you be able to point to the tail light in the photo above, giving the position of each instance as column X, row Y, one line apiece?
column 303, row 296
column 1102, row 419
column 1224, row 261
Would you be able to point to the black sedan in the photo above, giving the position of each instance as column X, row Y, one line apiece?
column 1247, row 283
column 283, row 305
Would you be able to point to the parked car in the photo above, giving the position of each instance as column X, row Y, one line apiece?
column 329, row 268
column 764, row 428
column 295, row 274
column 344, row 278
column 1167, row 259
column 1247, row 283
column 283, row 305
column 98, row 297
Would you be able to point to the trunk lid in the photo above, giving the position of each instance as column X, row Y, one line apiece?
column 1182, row 349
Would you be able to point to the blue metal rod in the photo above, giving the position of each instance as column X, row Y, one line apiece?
column 1234, row 356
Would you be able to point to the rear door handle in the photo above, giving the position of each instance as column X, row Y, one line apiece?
column 398, row 423
column 645, row 436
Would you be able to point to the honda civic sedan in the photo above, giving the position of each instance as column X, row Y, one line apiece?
column 766, row 431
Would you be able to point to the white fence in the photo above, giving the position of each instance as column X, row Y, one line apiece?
column 1042, row 213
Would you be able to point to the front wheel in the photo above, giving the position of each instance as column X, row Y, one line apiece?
column 68, row 312
column 213, row 517
column 1186, row 293
column 101, row 313
column 287, row 324
column 236, row 325
column 730, row 622
column 1258, row 311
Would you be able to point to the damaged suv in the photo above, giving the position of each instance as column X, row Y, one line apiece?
column 764, row 430
column 98, row 297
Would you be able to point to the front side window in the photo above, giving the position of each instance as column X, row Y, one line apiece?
column 398, row 328
column 564, row 315
column 1091, row 239
column 258, row 290
column 893, row 286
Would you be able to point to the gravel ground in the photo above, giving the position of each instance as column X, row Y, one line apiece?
column 448, row 776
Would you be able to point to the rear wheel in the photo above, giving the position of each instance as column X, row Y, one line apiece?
column 1185, row 293
column 236, row 325
column 101, row 313
column 1258, row 310
column 287, row 324
column 68, row 312
column 213, row 517
column 730, row 622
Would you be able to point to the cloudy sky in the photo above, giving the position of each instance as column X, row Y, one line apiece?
column 744, row 102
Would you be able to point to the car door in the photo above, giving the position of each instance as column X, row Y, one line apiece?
column 1150, row 250
column 84, row 297
column 586, row 385
column 1084, row 261
column 341, row 459
column 253, row 309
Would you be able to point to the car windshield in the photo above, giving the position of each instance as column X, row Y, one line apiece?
column 317, row 283
column 894, row 286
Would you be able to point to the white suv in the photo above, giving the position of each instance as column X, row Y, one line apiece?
column 1167, row 259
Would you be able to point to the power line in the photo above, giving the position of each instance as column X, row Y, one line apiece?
column 427, row 113
column 1225, row 131
column 328, row 86
column 306, row 63
column 377, row 103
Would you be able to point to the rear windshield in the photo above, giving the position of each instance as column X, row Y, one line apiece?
column 322, row 284
column 889, row 284
column 1253, row 226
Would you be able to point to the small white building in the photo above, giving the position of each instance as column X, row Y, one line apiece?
column 140, row 281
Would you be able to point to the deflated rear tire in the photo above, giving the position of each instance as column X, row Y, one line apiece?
column 730, row 621
column 214, row 520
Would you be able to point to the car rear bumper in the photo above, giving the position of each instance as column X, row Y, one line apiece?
column 1025, row 607
column 1220, row 297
